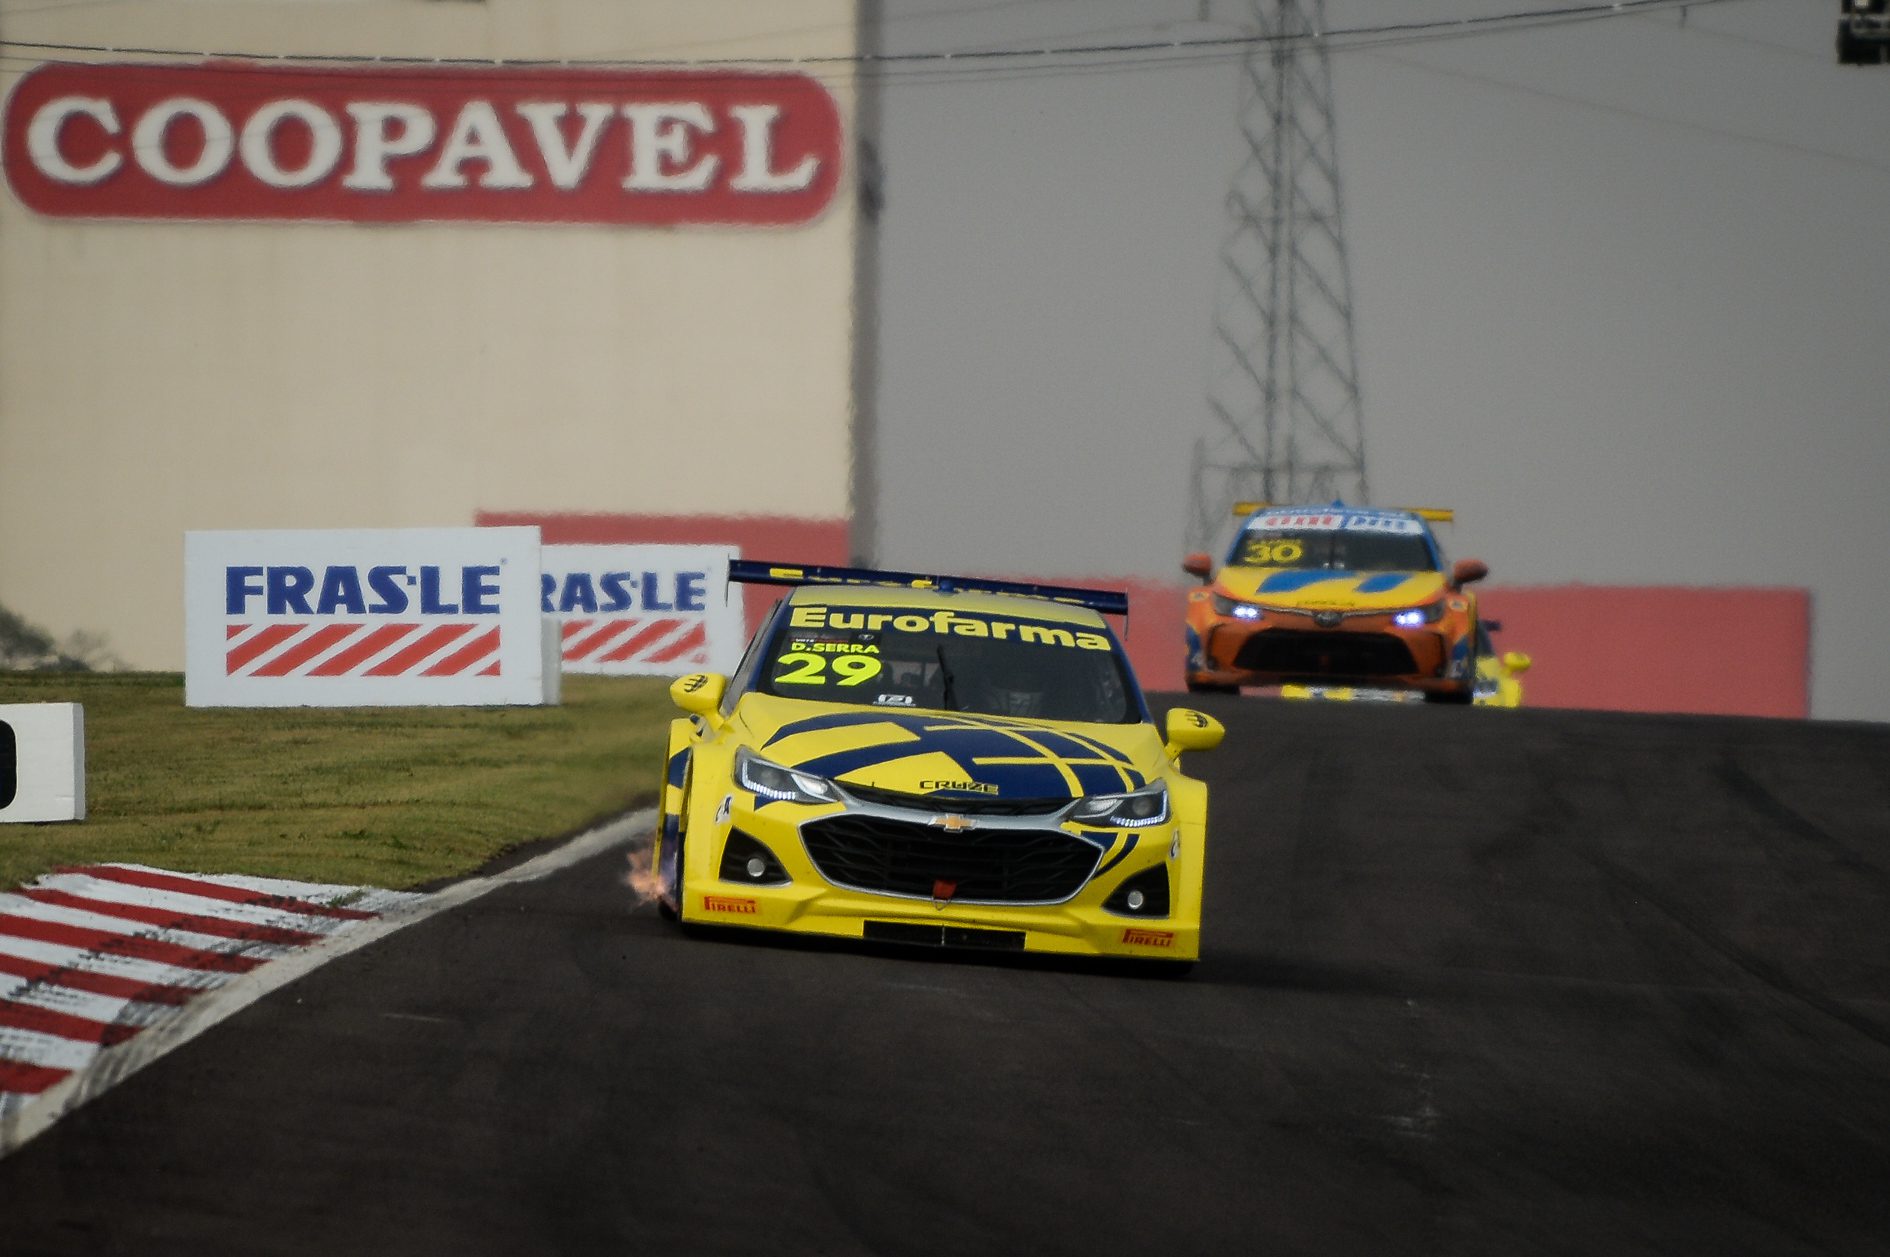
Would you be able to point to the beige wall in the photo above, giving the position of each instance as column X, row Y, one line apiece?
column 159, row 377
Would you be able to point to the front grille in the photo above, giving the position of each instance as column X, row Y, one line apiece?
column 891, row 857
column 1289, row 652
column 961, row 804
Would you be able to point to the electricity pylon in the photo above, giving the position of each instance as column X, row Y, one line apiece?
column 1286, row 423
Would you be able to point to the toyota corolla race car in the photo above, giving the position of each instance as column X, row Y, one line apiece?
column 938, row 761
column 1322, row 595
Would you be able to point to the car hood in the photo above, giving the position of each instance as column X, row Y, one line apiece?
column 1329, row 591
column 950, row 753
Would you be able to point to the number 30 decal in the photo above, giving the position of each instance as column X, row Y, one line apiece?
column 1276, row 552
column 802, row 669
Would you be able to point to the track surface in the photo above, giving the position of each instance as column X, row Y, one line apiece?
column 1477, row 982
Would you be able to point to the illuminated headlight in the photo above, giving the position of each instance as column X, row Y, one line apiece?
column 1416, row 617
column 1239, row 610
column 775, row 783
column 1147, row 806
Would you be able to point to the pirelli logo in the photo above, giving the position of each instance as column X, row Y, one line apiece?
column 730, row 903
column 1148, row 938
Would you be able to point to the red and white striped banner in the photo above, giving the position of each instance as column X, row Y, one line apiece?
column 633, row 640
column 643, row 610
column 91, row 957
column 330, row 649
column 366, row 617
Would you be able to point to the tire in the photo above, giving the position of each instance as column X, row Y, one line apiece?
column 682, row 815
column 1456, row 698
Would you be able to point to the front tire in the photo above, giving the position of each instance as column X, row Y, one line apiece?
column 664, row 908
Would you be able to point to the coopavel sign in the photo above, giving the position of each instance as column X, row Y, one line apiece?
column 239, row 140
column 637, row 610
column 364, row 617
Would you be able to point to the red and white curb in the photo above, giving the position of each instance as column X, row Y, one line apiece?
column 104, row 969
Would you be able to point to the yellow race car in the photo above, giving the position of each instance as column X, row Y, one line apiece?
column 937, row 761
column 1499, row 679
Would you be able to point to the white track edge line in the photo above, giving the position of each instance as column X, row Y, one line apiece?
column 113, row 1065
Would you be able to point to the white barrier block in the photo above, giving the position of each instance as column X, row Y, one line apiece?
column 42, row 762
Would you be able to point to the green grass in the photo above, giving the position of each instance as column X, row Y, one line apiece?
column 391, row 796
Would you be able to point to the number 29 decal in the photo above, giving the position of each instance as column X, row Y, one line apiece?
column 805, row 669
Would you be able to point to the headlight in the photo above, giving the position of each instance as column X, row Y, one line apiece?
column 1145, row 807
column 777, row 784
column 1414, row 617
column 1228, row 606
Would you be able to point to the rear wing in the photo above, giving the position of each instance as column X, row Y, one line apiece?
column 764, row 572
column 1435, row 514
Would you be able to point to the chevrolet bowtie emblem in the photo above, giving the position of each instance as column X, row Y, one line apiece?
column 954, row 824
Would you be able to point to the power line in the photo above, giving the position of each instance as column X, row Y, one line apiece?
column 1723, row 133
column 1234, row 44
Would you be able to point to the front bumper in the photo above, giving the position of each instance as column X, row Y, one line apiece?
column 798, row 898
column 1368, row 649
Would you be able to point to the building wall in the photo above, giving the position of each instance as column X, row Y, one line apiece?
column 157, row 377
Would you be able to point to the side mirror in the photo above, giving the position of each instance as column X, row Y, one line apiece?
column 1190, row 730
column 1516, row 661
column 1198, row 565
column 1463, row 571
column 700, row 694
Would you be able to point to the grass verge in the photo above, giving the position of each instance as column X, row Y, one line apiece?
column 390, row 796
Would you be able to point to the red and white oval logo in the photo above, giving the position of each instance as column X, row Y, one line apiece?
column 238, row 140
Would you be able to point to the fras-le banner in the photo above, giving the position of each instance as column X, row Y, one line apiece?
column 364, row 617
column 643, row 610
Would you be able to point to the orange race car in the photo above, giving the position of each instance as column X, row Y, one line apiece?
column 1335, row 594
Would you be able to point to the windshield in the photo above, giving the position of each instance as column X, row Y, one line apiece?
column 1333, row 549
column 947, row 660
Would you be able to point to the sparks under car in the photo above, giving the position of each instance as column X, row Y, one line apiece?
column 936, row 761
column 1334, row 595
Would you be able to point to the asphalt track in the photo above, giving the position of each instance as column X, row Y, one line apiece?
column 1476, row 982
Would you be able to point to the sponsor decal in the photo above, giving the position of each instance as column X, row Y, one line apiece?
column 945, row 622
column 734, row 904
column 1148, row 938
column 723, row 812
column 252, row 141
column 1332, row 521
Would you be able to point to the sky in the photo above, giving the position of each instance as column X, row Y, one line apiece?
column 1618, row 293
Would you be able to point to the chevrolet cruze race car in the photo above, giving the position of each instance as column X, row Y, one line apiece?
column 1499, row 676
column 938, row 761
column 1335, row 595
